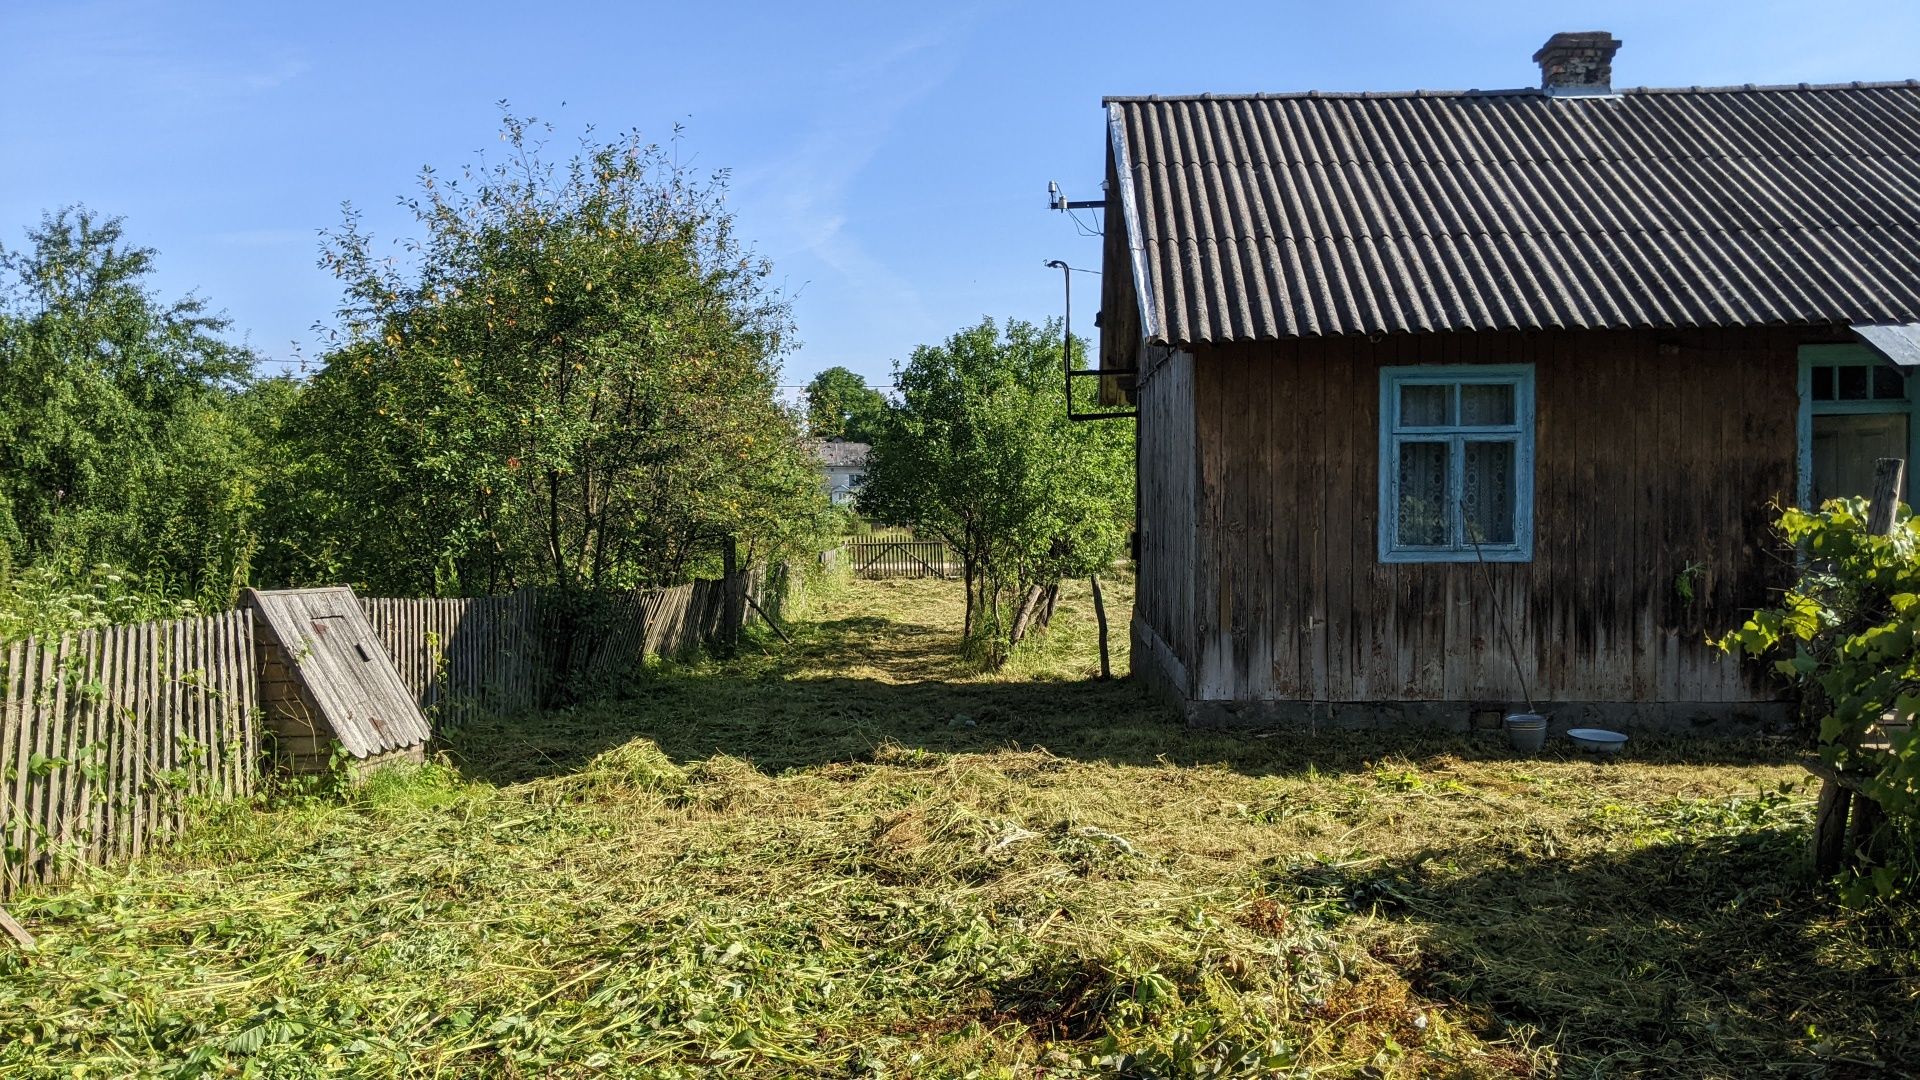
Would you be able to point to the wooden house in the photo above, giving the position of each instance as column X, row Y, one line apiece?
column 327, row 688
column 1419, row 371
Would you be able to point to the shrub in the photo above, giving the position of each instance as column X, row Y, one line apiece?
column 1847, row 635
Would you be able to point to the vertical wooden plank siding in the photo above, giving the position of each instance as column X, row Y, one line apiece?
column 1165, row 611
column 1653, row 451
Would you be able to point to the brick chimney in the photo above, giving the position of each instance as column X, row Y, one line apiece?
column 1579, row 62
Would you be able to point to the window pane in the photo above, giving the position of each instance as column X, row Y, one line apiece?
column 1486, row 406
column 1486, row 494
column 1426, row 406
column 1423, row 493
column 1823, row 383
column 1846, row 447
column 1853, row 383
column 1888, row 383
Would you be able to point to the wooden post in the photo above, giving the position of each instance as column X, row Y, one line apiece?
column 1830, row 827
column 1100, row 615
column 1888, row 475
column 1833, row 841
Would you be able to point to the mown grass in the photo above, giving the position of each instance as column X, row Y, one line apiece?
column 855, row 856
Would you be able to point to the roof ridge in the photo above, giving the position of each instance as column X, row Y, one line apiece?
column 1519, row 91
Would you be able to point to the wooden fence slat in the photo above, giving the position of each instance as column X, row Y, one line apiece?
column 14, row 739
column 38, row 797
column 109, row 819
column 152, row 732
column 92, row 691
column 230, row 663
column 219, row 660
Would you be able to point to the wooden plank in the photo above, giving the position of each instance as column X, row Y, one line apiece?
column 64, row 745
column 173, row 706
column 151, row 725
column 219, row 663
column 119, row 749
column 90, row 802
column 14, row 740
column 195, row 671
column 250, row 710
column 238, row 659
column 109, row 812
column 38, row 797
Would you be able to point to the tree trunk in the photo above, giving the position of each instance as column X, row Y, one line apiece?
column 732, row 596
column 966, row 631
column 1045, row 618
column 1100, row 615
column 1029, row 604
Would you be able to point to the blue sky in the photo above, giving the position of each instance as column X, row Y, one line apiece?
column 891, row 159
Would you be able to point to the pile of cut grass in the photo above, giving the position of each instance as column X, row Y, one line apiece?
column 855, row 856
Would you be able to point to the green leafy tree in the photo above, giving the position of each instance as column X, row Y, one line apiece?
column 118, row 441
column 980, row 453
column 840, row 405
column 1847, row 635
column 569, row 379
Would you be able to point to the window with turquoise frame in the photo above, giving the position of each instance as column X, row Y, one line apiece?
column 1456, row 463
column 1855, row 408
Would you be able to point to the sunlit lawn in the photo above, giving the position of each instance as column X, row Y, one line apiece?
column 855, row 855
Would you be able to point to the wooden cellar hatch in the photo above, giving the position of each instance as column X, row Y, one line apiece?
column 325, row 681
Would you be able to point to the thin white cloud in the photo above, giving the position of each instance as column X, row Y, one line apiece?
column 142, row 49
column 799, row 198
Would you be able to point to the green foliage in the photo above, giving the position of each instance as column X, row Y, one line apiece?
column 569, row 380
column 43, row 602
column 980, row 453
column 840, row 405
column 1847, row 634
column 118, row 442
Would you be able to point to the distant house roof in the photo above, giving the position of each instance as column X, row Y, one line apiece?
column 1262, row 217
column 838, row 453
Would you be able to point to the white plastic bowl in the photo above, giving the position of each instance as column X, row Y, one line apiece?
column 1597, row 740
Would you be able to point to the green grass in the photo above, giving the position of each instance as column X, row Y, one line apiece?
column 855, row 856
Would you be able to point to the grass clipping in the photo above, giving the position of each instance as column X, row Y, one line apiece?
column 795, row 865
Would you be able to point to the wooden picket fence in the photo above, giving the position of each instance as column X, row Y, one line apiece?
column 486, row 654
column 896, row 554
column 106, row 734
column 460, row 656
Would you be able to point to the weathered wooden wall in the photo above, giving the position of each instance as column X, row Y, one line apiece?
column 104, row 735
column 1655, row 451
column 1164, row 601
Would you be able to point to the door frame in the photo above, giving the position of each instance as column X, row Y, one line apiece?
column 1812, row 356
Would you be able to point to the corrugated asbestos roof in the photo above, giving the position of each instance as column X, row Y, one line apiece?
column 840, row 453
column 1276, row 216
